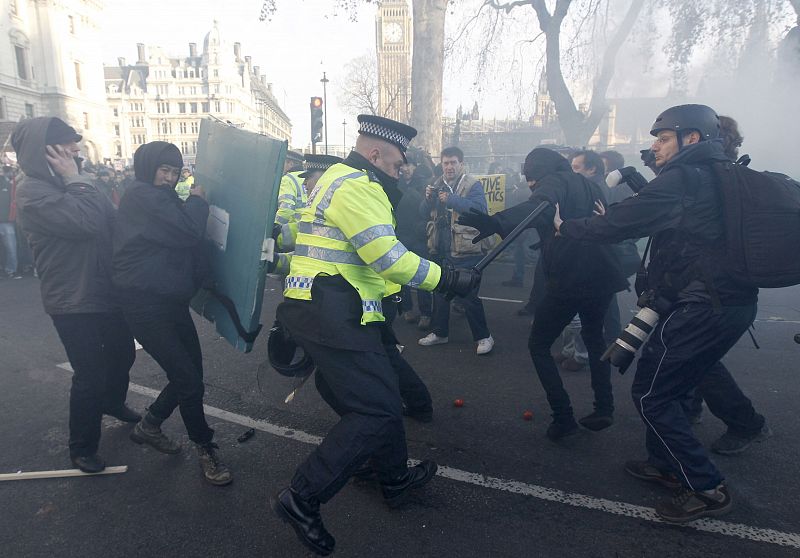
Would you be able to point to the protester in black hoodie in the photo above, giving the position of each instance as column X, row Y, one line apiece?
column 68, row 223
column 157, row 242
column 581, row 279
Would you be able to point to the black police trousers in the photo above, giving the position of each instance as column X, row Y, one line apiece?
column 363, row 388
column 682, row 348
column 166, row 331
column 101, row 352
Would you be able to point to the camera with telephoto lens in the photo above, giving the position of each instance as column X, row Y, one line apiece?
column 629, row 176
column 624, row 348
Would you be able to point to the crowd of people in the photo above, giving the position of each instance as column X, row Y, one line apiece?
column 121, row 256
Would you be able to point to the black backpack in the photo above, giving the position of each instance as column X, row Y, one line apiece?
column 761, row 214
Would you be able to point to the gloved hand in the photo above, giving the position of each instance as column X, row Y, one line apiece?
column 486, row 224
column 457, row 282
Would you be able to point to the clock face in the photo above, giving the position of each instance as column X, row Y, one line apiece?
column 393, row 32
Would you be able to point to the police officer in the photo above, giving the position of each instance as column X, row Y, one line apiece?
column 292, row 195
column 703, row 312
column 347, row 259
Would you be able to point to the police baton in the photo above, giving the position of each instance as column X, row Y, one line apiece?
column 494, row 252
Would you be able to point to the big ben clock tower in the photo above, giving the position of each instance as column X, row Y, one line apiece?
column 393, row 37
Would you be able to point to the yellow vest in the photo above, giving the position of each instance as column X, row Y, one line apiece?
column 292, row 198
column 347, row 229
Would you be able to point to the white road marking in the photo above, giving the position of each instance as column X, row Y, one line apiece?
column 516, row 487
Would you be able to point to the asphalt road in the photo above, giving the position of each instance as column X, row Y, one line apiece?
column 504, row 490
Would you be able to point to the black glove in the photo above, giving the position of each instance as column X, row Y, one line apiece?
column 276, row 231
column 457, row 282
column 485, row 223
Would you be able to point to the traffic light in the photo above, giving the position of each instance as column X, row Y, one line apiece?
column 316, row 119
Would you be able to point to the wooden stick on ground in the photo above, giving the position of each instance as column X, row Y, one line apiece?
column 60, row 474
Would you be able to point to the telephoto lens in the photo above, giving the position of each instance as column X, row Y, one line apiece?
column 622, row 351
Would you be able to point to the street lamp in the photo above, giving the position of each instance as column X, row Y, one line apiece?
column 344, row 137
column 325, row 81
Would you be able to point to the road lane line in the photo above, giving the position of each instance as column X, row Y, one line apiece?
column 624, row 509
column 501, row 299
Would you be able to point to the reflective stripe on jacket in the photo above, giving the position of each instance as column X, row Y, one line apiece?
column 347, row 229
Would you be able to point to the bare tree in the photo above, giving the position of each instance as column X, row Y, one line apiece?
column 358, row 90
column 577, row 126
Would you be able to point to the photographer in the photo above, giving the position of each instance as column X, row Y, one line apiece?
column 701, row 312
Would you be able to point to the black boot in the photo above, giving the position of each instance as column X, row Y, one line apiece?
column 562, row 428
column 396, row 491
column 88, row 463
column 303, row 516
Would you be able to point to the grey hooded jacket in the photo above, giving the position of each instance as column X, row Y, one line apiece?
column 68, row 226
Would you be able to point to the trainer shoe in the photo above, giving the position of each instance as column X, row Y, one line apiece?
column 731, row 444
column 688, row 505
column 433, row 339
column 646, row 471
column 213, row 469
column 485, row 345
column 424, row 323
column 147, row 433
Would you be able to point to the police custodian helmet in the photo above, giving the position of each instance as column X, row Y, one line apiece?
column 682, row 118
column 285, row 356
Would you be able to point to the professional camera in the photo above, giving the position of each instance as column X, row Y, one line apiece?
column 625, row 347
column 629, row 176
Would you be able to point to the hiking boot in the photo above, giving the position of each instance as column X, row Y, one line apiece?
column 485, row 346
column 213, row 469
column 424, row 323
column 646, row 471
column 597, row 421
column 305, row 519
column 145, row 432
column 397, row 491
column 433, row 339
column 731, row 444
column 560, row 429
column 688, row 505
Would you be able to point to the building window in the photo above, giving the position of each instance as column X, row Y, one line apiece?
column 85, row 120
column 182, row 108
column 22, row 61
column 119, row 150
column 182, row 127
column 163, row 107
column 193, row 108
column 3, row 115
column 116, row 129
column 78, row 75
column 216, row 73
column 195, row 127
column 194, row 147
column 217, row 106
column 206, row 107
column 29, row 110
column 71, row 24
column 116, row 111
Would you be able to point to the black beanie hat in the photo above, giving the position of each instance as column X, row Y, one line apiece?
column 59, row 132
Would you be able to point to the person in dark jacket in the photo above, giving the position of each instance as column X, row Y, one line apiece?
column 68, row 223
column 702, row 311
column 157, row 242
column 8, row 233
column 580, row 279
column 411, row 231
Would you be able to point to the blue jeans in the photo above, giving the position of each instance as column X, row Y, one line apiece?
column 473, row 307
column 9, row 235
